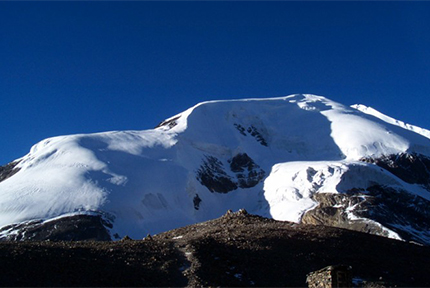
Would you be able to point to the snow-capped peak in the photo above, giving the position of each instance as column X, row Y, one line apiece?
column 269, row 156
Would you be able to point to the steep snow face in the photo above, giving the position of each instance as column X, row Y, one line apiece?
column 359, row 135
column 268, row 156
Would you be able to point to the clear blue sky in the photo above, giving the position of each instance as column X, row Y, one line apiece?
column 81, row 67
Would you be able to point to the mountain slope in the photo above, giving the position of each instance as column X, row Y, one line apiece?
column 278, row 157
column 235, row 250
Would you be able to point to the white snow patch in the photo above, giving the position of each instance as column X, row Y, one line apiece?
column 290, row 186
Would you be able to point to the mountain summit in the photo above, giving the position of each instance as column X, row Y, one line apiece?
column 300, row 158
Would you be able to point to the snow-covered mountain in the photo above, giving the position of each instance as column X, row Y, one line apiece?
column 301, row 158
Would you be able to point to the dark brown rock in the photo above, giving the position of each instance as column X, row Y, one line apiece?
column 237, row 249
column 168, row 123
column 212, row 175
column 8, row 170
column 410, row 167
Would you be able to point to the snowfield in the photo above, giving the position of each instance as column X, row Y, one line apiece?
column 147, row 181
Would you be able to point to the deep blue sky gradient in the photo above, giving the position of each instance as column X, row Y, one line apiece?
column 82, row 67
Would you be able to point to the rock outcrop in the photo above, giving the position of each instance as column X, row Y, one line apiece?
column 8, row 170
column 69, row 228
column 412, row 168
column 216, row 178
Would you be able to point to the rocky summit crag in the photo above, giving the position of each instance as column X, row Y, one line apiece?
column 300, row 158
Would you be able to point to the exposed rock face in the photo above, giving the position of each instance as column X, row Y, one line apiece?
column 333, row 209
column 247, row 172
column 8, row 170
column 391, row 208
column 411, row 168
column 253, row 131
column 240, row 128
column 170, row 123
column 213, row 175
column 372, row 208
column 196, row 201
column 406, row 214
column 77, row 228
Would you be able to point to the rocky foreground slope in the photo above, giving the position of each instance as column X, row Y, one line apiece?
column 237, row 249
